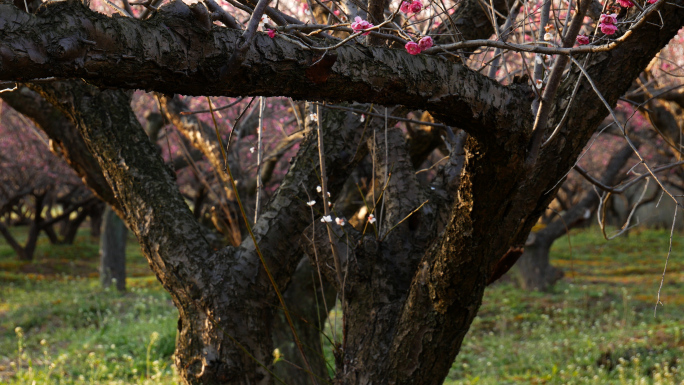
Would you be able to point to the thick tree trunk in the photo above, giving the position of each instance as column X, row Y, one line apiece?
column 113, row 251
column 225, row 298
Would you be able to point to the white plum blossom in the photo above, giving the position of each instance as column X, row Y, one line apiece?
column 311, row 203
column 251, row 149
column 371, row 218
column 339, row 221
column 326, row 219
column 319, row 189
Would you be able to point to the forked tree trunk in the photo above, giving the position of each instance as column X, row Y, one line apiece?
column 71, row 227
column 25, row 253
column 113, row 251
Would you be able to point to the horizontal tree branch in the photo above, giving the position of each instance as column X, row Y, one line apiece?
column 68, row 40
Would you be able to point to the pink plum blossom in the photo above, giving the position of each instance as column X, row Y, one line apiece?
column 405, row 7
column 652, row 1
column 625, row 3
column 608, row 19
column 582, row 39
column 416, row 7
column 425, row 43
column 271, row 33
column 607, row 23
column 412, row 48
column 608, row 29
column 360, row 25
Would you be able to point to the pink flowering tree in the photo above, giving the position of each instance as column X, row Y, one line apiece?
column 37, row 189
column 434, row 139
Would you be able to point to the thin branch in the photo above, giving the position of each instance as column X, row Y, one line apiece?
column 622, row 128
column 324, row 194
column 260, row 154
column 625, row 186
column 667, row 259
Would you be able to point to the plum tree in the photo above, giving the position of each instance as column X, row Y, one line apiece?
column 410, row 281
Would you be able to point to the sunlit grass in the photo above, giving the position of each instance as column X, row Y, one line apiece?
column 596, row 326
column 58, row 326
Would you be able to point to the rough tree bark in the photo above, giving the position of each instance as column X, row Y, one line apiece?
column 113, row 251
column 411, row 293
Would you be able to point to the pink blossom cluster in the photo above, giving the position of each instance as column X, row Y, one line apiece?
column 582, row 39
column 411, row 7
column 607, row 23
column 415, row 48
column 625, row 3
column 360, row 25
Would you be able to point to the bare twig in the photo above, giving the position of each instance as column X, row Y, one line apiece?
column 324, row 194
column 260, row 154
column 667, row 259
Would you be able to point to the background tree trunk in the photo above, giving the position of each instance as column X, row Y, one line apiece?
column 536, row 273
column 113, row 250
column 96, row 214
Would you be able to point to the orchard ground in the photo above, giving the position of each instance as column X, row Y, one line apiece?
column 57, row 326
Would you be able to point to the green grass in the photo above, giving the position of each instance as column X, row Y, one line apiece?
column 58, row 326
column 596, row 327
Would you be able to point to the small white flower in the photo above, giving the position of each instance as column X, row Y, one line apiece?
column 251, row 149
column 326, row 219
column 539, row 83
column 363, row 118
column 310, row 203
column 548, row 36
column 328, row 194
column 329, row 204
column 319, row 189
column 313, row 117
column 339, row 221
column 371, row 218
